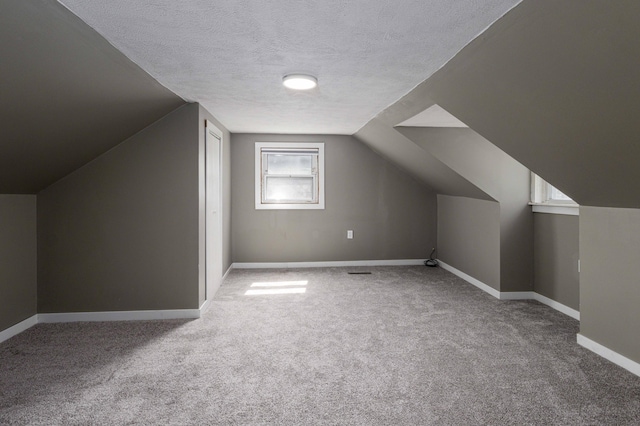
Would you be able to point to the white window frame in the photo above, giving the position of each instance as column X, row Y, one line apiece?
column 542, row 202
column 260, row 177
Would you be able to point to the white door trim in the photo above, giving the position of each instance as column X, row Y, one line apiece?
column 213, row 231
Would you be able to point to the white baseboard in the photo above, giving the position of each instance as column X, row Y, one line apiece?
column 105, row 316
column 119, row 316
column 205, row 306
column 468, row 278
column 517, row 295
column 196, row 313
column 18, row 328
column 512, row 295
column 227, row 273
column 347, row 263
column 608, row 354
column 557, row 306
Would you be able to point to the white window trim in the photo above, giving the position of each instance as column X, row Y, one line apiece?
column 569, row 210
column 540, row 202
column 288, row 206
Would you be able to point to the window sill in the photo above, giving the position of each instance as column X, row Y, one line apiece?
column 566, row 209
column 316, row 206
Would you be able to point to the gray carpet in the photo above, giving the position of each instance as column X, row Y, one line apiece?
column 402, row 346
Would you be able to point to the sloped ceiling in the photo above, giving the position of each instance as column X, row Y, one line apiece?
column 553, row 84
column 231, row 55
column 421, row 164
column 66, row 95
column 476, row 159
column 556, row 85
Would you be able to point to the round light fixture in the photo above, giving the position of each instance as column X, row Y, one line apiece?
column 299, row 81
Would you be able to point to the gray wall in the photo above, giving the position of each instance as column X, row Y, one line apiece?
column 383, row 138
column 610, row 278
column 556, row 254
column 516, row 244
column 121, row 233
column 474, row 158
column 504, row 179
column 391, row 214
column 17, row 259
column 553, row 84
column 67, row 96
column 469, row 237
column 225, row 175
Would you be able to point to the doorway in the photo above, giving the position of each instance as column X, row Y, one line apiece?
column 213, row 217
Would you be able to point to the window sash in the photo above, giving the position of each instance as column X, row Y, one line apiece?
column 271, row 167
column 279, row 189
column 289, row 175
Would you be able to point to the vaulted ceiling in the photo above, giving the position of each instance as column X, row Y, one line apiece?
column 231, row 55
column 556, row 85
column 553, row 84
column 66, row 95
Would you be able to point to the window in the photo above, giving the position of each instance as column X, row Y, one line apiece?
column 289, row 175
column 556, row 195
column 546, row 198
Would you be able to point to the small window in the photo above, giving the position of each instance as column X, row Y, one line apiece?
column 289, row 175
column 556, row 195
column 546, row 198
column 542, row 192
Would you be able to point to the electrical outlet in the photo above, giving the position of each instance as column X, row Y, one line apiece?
column 350, row 234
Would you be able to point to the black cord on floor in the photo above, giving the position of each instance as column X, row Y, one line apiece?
column 431, row 261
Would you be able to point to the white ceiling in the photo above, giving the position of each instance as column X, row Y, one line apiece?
column 230, row 55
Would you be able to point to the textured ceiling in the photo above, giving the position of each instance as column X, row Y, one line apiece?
column 230, row 55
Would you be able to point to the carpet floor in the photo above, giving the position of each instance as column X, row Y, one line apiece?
column 399, row 346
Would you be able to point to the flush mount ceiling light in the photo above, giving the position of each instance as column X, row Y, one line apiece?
column 299, row 81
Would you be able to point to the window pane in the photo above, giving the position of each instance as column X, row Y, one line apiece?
column 556, row 194
column 298, row 189
column 289, row 164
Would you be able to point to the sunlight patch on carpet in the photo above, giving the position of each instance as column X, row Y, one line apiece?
column 280, row 284
column 281, row 287
column 295, row 290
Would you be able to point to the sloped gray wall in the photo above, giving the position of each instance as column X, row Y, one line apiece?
column 380, row 136
column 18, row 255
column 67, row 96
column 504, row 179
column 555, row 85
